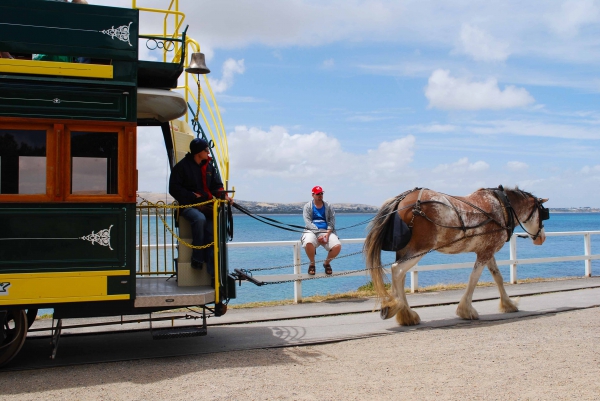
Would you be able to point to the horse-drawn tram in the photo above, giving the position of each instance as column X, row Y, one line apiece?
column 73, row 93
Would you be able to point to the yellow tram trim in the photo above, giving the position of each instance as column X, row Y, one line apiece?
column 16, row 66
column 59, row 287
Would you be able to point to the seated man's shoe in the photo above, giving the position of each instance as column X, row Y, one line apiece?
column 197, row 264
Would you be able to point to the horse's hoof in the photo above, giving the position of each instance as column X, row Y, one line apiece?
column 508, row 308
column 468, row 314
column 383, row 313
column 407, row 317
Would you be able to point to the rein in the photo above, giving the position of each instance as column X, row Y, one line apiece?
column 418, row 211
column 508, row 211
column 544, row 214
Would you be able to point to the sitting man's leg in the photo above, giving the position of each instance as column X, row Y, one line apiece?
column 198, row 222
column 310, row 244
column 333, row 247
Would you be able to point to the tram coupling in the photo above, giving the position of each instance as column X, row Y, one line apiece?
column 240, row 274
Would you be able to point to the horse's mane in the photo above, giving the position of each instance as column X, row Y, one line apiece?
column 516, row 189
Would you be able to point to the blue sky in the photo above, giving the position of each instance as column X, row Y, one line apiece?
column 370, row 98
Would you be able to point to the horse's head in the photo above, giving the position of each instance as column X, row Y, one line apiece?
column 531, row 213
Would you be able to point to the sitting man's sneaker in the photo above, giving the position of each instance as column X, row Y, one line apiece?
column 197, row 264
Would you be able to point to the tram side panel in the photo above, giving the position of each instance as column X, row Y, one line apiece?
column 77, row 253
column 61, row 246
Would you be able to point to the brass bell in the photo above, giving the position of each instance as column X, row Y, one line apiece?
column 197, row 64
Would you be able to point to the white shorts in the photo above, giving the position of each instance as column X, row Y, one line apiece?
column 311, row 238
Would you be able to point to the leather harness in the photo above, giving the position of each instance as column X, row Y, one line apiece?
column 507, row 211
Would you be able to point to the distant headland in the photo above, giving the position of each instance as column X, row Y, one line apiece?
column 268, row 207
column 296, row 207
column 575, row 210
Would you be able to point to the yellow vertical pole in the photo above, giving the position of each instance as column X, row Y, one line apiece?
column 216, row 249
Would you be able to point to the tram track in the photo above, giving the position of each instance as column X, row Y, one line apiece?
column 300, row 329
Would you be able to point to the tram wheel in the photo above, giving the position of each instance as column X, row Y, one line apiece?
column 31, row 315
column 13, row 330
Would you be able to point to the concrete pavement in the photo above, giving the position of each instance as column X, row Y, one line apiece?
column 303, row 324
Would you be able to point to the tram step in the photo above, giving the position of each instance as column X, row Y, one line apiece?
column 178, row 332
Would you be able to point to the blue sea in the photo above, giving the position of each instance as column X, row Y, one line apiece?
column 247, row 229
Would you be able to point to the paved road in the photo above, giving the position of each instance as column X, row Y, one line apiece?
column 283, row 326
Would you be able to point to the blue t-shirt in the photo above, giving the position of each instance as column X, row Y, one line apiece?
column 319, row 217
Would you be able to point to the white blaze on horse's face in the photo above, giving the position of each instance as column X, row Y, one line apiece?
column 532, row 226
column 540, row 239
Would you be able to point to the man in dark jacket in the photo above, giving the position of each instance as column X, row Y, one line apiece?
column 195, row 180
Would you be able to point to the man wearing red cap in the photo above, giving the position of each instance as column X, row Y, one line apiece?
column 319, row 219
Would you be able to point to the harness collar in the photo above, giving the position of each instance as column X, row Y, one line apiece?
column 543, row 213
column 507, row 210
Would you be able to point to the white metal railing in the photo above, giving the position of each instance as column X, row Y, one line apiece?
column 513, row 261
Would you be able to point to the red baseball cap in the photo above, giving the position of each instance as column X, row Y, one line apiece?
column 317, row 190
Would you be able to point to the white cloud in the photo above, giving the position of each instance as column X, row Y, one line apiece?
column 462, row 166
column 329, row 63
column 239, row 99
column 152, row 163
column 421, row 24
column 433, row 128
column 277, row 54
column 534, row 128
column 389, row 159
column 230, row 68
column 573, row 15
column 260, row 158
column 591, row 170
column 517, row 166
column 277, row 153
column 448, row 93
column 481, row 45
column 368, row 118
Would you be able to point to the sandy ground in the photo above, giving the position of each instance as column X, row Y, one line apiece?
column 552, row 357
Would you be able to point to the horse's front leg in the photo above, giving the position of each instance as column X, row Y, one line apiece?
column 399, row 307
column 465, row 308
column 506, row 304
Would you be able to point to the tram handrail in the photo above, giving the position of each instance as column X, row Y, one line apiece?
column 216, row 130
column 513, row 260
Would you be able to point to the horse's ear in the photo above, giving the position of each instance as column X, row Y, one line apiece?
column 543, row 200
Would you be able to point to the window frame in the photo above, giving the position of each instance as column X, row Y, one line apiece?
column 58, row 160
column 51, row 158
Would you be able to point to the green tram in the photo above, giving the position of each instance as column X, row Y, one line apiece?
column 71, row 100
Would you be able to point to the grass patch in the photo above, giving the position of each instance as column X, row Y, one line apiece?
column 367, row 291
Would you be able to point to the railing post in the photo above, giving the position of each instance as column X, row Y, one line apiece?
column 513, row 257
column 297, row 270
column 414, row 281
column 587, row 246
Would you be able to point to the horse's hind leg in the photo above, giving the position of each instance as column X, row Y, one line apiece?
column 405, row 316
column 506, row 304
column 465, row 308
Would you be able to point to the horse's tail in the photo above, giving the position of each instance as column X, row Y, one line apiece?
column 374, row 242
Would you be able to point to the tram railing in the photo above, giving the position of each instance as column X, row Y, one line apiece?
column 155, row 246
column 513, row 260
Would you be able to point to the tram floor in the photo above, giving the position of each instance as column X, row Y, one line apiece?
column 294, row 325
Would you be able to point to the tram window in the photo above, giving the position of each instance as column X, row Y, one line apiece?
column 94, row 163
column 22, row 161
